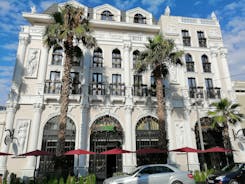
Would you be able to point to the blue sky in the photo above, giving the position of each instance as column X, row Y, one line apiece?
column 231, row 15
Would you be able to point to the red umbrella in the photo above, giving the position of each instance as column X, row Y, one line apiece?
column 36, row 153
column 78, row 152
column 187, row 150
column 115, row 151
column 217, row 149
column 5, row 154
column 149, row 150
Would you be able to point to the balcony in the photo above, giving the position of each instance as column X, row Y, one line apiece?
column 117, row 89
column 202, row 42
column 190, row 66
column 97, row 88
column 206, row 67
column 198, row 91
column 52, row 87
column 143, row 90
column 213, row 93
column 186, row 41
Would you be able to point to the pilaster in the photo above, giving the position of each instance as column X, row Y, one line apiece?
column 226, row 72
column 214, row 55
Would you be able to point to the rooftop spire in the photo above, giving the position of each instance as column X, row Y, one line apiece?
column 167, row 11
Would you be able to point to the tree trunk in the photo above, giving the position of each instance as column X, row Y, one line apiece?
column 65, row 91
column 161, row 112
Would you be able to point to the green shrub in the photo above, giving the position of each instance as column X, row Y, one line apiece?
column 81, row 180
column 200, row 176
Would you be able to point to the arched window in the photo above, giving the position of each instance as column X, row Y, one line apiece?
column 147, row 136
column 138, row 18
column 106, row 15
column 189, row 63
column 98, row 58
column 135, row 57
column 205, row 64
column 77, row 56
column 116, row 58
column 49, row 143
column 57, row 56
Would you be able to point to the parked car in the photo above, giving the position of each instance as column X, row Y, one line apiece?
column 153, row 174
column 232, row 174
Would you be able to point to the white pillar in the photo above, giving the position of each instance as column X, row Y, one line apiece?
column 128, row 164
column 226, row 72
column 215, row 65
column 127, row 73
column 21, row 52
column 170, row 134
column 11, row 110
column 34, row 132
column 43, row 68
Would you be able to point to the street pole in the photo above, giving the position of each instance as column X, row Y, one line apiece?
column 200, row 130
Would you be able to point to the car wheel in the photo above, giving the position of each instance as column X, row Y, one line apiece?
column 177, row 182
column 233, row 182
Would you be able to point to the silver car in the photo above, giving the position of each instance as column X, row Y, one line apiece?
column 153, row 174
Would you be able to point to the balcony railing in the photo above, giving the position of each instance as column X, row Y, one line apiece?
column 213, row 93
column 54, row 87
column 202, row 42
column 97, row 88
column 187, row 41
column 143, row 90
column 190, row 66
column 196, row 92
column 117, row 89
column 206, row 67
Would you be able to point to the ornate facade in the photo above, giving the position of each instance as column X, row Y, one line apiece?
column 110, row 105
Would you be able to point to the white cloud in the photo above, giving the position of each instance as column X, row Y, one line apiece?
column 153, row 6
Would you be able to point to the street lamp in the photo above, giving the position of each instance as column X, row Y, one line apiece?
column 196, row 104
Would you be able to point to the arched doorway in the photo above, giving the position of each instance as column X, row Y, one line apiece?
column 106, row 134
column 211, row 137
column 147, row 136
column 49, row 143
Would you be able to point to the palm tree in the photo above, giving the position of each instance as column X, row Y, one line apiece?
column 69, row 25
column 158, row 56
column 225, row 112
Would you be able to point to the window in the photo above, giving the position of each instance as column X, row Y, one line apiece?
column 57, row 56
column 138, row 18
column 97, row 87
column 77, row 55
column 186, row 38
column 153, row 86
column 201, row 39
column 53, row 85
column 116, row 58
column 205, row 64
column 192, row 87
column 54, row 76
column 135, row 57
column 98, row 58
column 189, row 63
column 139, row 88
column 116, row 87
column 209, row 83
column 75, row 83
column 106, row 15
column 210, row 88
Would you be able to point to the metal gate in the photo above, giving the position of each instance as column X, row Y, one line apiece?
column 147, row 136
column 106, row 134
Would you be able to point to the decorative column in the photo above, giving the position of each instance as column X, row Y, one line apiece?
column 43, row 68
column 11, row 110
column 215, row 65
column 226, row 72
column 34, row 132
column 126, row 61
column 83, row 131
column 128, row 164
column 19, row 65
column 170, row 135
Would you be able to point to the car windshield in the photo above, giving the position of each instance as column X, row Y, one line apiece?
column 232, row 167
column 134, row 171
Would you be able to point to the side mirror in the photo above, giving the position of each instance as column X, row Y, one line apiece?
column 139, row 175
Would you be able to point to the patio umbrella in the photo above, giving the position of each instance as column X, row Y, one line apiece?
column 36, row 153
column 5, row 154
column 187, row 150
column 150, row 150
column 78, row 152
column 115, row 151
column 216, row 150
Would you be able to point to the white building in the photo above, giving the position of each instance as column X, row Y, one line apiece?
column 110, row 106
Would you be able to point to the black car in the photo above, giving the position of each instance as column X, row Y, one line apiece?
column 232, row 174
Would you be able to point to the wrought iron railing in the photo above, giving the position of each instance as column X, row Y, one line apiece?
column 190, row 66
column 186, row 41
column 213, row 93
column 202, row 42
column 196, row 92
column 206, row 67
column 117, row 89
column 97, row 88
